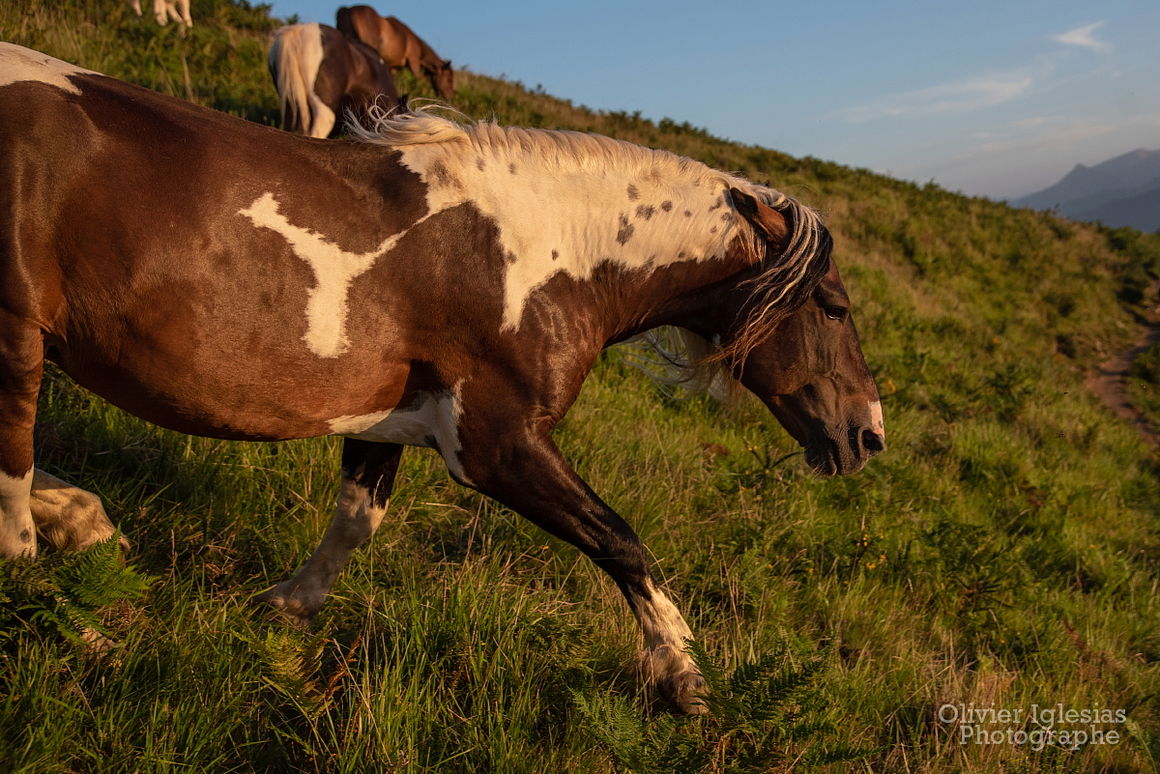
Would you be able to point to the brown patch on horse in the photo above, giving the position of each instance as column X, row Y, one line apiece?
column 645, row 211
column 633, row 193
column 666, row 205
column 625, row 232
column 442, row 175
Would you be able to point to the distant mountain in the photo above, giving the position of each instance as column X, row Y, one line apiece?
column 1123, row 191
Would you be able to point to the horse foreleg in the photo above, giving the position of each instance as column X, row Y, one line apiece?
column 528, row 474
column 368, row 473
column 21, row 369
column 68, row 517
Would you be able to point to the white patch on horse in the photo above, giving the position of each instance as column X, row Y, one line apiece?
column 661, row 621
column 431, row 421
column 19, row 64
column 17, row 530
column 559, row 211
column 334, row 269
column 356, row 517
column 876, row 423
column 666, row 636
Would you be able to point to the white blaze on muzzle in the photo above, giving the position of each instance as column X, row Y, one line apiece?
column 876, row 419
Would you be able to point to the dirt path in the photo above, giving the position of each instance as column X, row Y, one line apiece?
column 1108, row 381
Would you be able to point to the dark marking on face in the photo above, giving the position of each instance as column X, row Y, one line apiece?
column 718, row 204
column 688, row 213
column 512, row 168
column 713, row 230
column 645, row 211
column 510, row 257
column 625, row 232
column 667, row 206
column 555, row 254
column 25, row 536
column 480, row 163
column 633, row 193
column 727, row 217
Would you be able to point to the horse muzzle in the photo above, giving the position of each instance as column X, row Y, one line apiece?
column 844, row 454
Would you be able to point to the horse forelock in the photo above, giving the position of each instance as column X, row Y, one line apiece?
column 784, row 282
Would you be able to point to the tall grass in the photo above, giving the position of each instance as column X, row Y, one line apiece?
column 1003, row 552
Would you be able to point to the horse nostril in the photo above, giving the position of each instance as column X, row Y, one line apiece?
column 872, row 442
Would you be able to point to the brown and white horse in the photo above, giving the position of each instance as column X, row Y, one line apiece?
column 432, row 284
column 398, row 45
column 320, row 74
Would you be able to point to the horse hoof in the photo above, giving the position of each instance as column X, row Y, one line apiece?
column 685, row 692
column 288, row 609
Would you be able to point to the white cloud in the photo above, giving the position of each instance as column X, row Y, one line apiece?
column 955, row 97
column 1036, row 121
column 1083, row 37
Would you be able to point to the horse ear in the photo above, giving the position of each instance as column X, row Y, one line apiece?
column 771, row 223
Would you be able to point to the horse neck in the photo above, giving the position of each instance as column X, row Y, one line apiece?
column 688, row 294
column 631, row 230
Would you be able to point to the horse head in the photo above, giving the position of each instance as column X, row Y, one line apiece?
column 804, row 362
column 443, row 78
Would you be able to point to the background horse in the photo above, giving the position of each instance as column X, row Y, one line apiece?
column 320, row 73
column 398, row 45
column 433, row 285
column 163, row 10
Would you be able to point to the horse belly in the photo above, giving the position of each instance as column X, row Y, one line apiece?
column 230, row 346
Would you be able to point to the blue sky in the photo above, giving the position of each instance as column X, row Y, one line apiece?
column 990, row 98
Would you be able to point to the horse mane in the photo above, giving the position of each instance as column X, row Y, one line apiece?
column 780, row 283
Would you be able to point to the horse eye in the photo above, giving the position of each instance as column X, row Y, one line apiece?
column 835, row 312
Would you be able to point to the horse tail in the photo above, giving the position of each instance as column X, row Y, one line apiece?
column 295, row 56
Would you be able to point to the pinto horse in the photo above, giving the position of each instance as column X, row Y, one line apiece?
column 398, row 45
column 320, row 73
column 430, row 284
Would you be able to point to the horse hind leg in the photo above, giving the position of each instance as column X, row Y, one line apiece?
column 67, row 517
column 368, row 474
column 322, row 119
column 21, row 370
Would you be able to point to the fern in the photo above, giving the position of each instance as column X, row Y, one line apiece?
column 63, row 592
column 765, row 715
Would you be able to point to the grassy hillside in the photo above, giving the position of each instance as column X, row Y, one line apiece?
column 1004, row 553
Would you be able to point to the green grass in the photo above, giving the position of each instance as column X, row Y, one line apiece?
column 1004, row 551
column 1143, row 383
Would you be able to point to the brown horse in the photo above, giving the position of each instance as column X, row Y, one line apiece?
column 432, row 284
column 321, row 73
column 398, row 45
